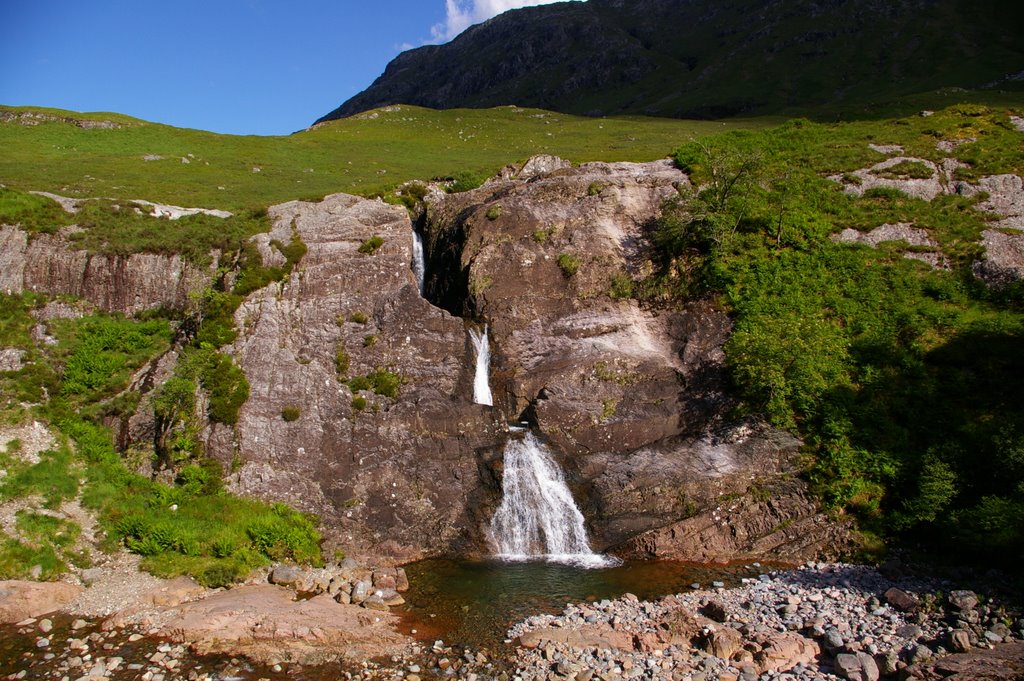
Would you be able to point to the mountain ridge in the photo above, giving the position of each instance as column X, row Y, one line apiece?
column 698, row 59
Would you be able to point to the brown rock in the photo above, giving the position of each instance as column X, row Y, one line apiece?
column 175, row 592
column 1003, row 663
column 900, row 600
column 723, row 642
column 263, row 621
column 590, row 636
column 783, row 651
column 20, row 600
column 959, row 641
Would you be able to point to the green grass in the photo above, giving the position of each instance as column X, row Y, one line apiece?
column 190, row 527
column 360, row 155
column 54, row 478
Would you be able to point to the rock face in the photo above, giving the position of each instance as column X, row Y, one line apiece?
column 632, row 398
column 392, row 475
column 127, row 284
column 686, row 59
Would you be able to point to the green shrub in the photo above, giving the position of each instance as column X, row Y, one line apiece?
column 227, row 386
column 369, row 341
column 341, row 362
column 494, row 212
column 464, row 182
column 359, row 403
column 358, row 383
column 358, row 317
column 595, row 188
column 291, row 413
column 384, row 382
column 621, row 287
column 104, row 351
column 569, row 263
column 371, row 245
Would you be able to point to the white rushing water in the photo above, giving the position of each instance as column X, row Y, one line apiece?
column 481, row 384
column 538, row 518
column 419, row 264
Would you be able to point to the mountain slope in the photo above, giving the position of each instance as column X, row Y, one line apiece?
column 703, row 58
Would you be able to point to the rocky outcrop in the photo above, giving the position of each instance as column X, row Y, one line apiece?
column 393, row 475
column 1003, row 262
column 20, row 600
column 900, row 231
column 1002, row 663
column 633, row 398
column 264, row 622
column 128, row 284
column 1003, row 196
column 33, row 118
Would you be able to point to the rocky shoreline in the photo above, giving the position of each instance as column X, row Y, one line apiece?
column 820, row 621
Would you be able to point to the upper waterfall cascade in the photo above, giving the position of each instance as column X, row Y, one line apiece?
column 481, row 379
column 419, row 264
column 538, row 518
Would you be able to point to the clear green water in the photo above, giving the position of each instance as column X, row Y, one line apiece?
column 474, row 602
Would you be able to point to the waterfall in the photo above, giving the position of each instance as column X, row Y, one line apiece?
column 419, row 264
column 481, row 385
column 537, row 517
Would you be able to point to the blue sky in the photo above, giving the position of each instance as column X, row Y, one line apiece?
column 258, row 67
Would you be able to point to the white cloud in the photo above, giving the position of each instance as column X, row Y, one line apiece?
column 461, row 14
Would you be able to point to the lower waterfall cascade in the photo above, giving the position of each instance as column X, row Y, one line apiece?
column 538, row 518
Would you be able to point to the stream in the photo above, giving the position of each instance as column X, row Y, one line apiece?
column 473, row 603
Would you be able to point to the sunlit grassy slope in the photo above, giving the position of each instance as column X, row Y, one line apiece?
column 362, row 155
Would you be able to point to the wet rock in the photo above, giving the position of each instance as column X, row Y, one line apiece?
column 375, row 602
column 598, row 375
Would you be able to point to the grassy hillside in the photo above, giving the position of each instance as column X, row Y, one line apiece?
column 901, row 378
column 361, row 155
